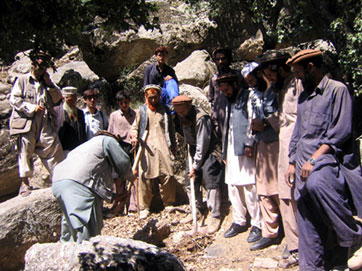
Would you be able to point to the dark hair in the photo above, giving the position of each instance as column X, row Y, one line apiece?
column 89, row 92
column 161, row 49
column 275, row 65
column 122, row 94
column 226, row 51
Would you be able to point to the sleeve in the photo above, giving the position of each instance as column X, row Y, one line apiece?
column 340, row 126
column 111, row 123
column 17, row 100
column 294, row 140
column 173, row 74
column 105, row 121
column 118, row 158
column 204, row 130
column 135, row 125
column 55, row 93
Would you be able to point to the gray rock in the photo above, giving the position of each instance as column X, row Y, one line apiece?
column 24, row 222
column 181, row 29
column 198, row 96
column 267, row 263
column 196, row 69
column 100, row 253
column 250, row 48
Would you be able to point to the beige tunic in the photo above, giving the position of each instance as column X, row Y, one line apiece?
column 287, row 117
column 157, row 158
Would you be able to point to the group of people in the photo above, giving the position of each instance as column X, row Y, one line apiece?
column 279, row 137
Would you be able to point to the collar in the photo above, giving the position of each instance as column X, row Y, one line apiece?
column 86, row 111
column 322, row 85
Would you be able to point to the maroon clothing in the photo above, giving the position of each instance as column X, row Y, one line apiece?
column 120, row 124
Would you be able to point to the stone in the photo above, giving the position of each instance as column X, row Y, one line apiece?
column 267, row 263
column 154, row 232
column 24, row 222
column 197, row 94
column 251, row 47
column 196, row 69
column 100, row 253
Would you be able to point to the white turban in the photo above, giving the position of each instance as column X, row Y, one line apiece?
column 248, row 68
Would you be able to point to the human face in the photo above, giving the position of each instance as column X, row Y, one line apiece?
column 153, row 98
column 221, row 61
column 71, row 99
column 161, row 58
column 91, row 101
column 182, row 110
column 272, row 76
column 251, row 80
column 304, row 75
column 227, row 89
column 39, row 68
column 124, row 105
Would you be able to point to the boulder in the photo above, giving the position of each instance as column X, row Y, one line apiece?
column 154, row 232
column 182, row 30
column 198, row 96
column 24, row 222
column 100, row 253
column 196, row 69
column 250, row 48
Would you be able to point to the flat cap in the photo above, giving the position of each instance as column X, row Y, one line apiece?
column 152, row 86
column 248, row 68
column 272, row 55
column 302, row 55
column 182, row 99
column 69, row 91
column 227, row 78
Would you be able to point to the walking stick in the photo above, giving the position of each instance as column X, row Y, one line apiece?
column 135, row 166
column 193, row 198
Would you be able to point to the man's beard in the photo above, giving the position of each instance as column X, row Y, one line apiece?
column 307, row 82
column 232, row 98
column 186, row 121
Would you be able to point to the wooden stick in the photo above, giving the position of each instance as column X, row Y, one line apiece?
column 135, row 166
column 193, row 198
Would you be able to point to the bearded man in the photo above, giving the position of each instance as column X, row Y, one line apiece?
column 156, row 164
column 207, row 167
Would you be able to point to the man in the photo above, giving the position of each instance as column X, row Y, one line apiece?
column 238, row 154
column 274, row 67
column 207, row 166
column 161, row 74
column 222, row 58
column 327, row 177
column 266, row 129
column 70, row 120
column 120, row 123
column 95, row 120
column 156, row 164
column 83, row 180
column 33, row 119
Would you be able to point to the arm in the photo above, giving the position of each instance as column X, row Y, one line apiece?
column 203, row 135
column 250, row 138
column 134, row 129
column 52, row 89
column 117, row 157
column 17, row 100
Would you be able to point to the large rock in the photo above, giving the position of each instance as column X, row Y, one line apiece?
column 24, row 222
column 100, row 253
column 196, row 69
column 182, row 30
column 251, row 47
column 197, row 94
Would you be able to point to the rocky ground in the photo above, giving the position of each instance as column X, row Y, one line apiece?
column 199, row 252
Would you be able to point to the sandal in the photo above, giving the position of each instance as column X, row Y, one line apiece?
column 25, row 190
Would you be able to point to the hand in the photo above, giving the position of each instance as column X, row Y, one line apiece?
column 134, row 141
column 248, row 151
column 257, row 125
column 168, row 77
column 39, row 109
column 290, row 175
column 192, row 174
column 224, row 162
column 306, row 170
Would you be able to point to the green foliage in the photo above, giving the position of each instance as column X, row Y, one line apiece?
column 27, row 24
column 289, row 22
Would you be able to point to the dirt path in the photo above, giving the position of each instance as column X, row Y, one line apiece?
column 207, row 253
